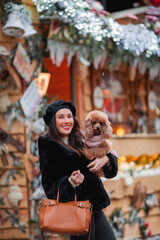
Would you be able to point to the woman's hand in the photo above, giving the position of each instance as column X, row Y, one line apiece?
column 97, row 164
column 77, row 177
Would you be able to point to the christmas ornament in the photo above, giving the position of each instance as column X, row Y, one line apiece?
column 15, row 195
column 4, row 51
column 143, row 227
column 155, row 3
column 4, row 102
column 13, row 26
column 27, row 23
column 38, row 126
column 19, row 23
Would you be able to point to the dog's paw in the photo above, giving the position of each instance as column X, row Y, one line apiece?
column 88, row 152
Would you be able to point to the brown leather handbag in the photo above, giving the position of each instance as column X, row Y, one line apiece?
column 71, row 218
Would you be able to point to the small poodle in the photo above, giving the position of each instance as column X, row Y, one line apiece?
column 97, row 130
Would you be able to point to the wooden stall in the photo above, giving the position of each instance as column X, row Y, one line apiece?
column 130, row 189
column 14, row 206
column 121, row 198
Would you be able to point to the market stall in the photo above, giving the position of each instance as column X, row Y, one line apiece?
column 95, row 67
column 135, row 192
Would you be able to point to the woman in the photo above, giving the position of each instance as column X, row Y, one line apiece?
column 64, row 167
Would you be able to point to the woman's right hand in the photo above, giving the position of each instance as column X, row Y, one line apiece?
column 77, row 177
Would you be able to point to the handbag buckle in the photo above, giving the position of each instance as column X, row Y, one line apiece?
column 51, row 203
column 82, row 204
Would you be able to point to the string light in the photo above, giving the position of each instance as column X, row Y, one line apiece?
column 136, row 39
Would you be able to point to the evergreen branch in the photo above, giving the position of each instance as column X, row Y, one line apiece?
column 1, row 201
column 15, row 220
column 12, row 174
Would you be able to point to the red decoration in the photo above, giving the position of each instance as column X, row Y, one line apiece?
column 155, row 3
column 146, row 224
column 149, row 233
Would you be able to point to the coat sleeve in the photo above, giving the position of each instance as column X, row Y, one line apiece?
column 111, row 170
column 52, row 179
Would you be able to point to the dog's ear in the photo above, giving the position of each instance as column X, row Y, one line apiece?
column 107, row 130
column 88, row 130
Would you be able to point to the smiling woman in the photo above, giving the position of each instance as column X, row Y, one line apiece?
column 64, row 122
column 66, row 170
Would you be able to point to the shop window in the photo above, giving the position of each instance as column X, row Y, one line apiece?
column 116, row 105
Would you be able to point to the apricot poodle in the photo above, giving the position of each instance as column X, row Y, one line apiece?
column 97, row 130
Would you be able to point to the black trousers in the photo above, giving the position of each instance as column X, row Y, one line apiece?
column 100, row 228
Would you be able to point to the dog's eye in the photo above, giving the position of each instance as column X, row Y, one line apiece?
column 94, row 122
column 101, row 123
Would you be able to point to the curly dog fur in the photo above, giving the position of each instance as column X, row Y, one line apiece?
column 97, row 130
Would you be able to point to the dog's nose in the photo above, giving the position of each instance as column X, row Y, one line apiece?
column 98, row 127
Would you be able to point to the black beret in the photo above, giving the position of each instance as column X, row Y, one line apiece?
column 54, row 107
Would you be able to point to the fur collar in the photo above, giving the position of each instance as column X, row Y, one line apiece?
column 46, row 143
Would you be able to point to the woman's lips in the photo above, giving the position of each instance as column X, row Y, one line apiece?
column 66, row 127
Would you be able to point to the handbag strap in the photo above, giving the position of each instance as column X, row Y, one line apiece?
column 42, row 235
column 75, row 197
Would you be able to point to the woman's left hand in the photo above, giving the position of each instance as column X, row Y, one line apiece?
column 97, row 164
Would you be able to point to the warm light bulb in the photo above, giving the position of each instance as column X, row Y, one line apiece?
column 120, row 132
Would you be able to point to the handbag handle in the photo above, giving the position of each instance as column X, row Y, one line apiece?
column 75, row 197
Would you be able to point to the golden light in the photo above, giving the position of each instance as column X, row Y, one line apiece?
column 120, row 132
column 42, row 83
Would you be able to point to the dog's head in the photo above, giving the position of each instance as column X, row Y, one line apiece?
column 97, row 123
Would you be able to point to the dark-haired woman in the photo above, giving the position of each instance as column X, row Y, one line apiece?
column 64, row 167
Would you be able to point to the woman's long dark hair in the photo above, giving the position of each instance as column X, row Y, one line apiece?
column 75, row 137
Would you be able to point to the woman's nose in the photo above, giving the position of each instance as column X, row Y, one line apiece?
column 66, row 119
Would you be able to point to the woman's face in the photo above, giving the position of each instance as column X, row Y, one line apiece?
column 64, row 121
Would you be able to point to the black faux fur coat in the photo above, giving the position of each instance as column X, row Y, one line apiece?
column 57, row 162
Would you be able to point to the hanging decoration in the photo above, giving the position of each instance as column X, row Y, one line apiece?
column 117, row 222
column 155, row 3
column 3, row 153
column 38, row 126
column 142, row 160
column 15, row 196
column 6, row 80
column 15, row 220
column 144, row 228
column 4, row 102
column 13, row 26
column 18, row 23
column 137, row 201
column 149, row 202
column 6, row 137
column 77, row 28
column 42, row 82
column 143, row 165
column 30, row 99
column 22, row 63
column 13, row 113
column 153, row 23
